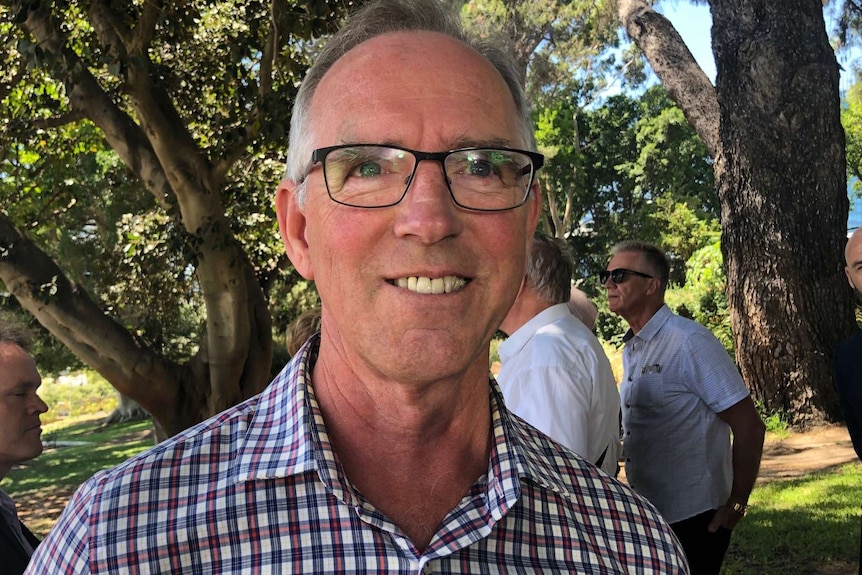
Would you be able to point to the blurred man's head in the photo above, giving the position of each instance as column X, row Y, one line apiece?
column 416, row 256
column 547, row 281
column 20, row 406
column 853, row 260
column 583, row 308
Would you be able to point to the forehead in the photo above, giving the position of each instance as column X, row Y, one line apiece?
column 853, row 251
column 412, row 84
column 16, row 366
column 622, row 259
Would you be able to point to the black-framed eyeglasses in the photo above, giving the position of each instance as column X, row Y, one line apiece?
column 618, row 275
column 377, row 176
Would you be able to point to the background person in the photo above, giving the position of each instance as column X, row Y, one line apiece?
column 555, row 374
column 847, row 362
column 20, row 437
column 682, row 396
column 583, row 308
column 382, row 447
column 301, row 329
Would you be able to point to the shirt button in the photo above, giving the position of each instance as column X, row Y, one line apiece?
column 628, row 459
column 628, row 432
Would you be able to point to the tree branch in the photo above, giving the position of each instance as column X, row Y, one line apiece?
column 684, row 80
column 86, row 96
column 114, row 36
column 67, row 311
column 145, row 31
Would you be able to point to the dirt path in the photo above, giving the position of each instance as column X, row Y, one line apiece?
column 800, row 454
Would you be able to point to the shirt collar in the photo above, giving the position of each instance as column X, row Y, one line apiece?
column 652, row 327
column 516, row 342
column 287, row 436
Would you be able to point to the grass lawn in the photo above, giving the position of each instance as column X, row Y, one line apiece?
column 42, row 487
column 806, row 526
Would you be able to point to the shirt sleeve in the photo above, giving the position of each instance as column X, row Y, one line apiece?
column 66, row 549
column 711, row 372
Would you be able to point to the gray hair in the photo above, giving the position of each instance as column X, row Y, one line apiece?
column 381, row 17
column 549, row 269
column 14, row 333
column 654, row 257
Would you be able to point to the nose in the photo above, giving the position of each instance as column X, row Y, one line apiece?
column 428, row 212
column 39, row 406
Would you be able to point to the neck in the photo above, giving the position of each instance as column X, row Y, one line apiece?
column 641, row 317
column 413, row 449
column 525, row 308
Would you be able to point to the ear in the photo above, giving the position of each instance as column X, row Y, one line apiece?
column 534, row 211
column 291, row 226
column 653, row 285
column 849, row 277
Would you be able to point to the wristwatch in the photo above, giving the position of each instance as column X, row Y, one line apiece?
column 739, row 508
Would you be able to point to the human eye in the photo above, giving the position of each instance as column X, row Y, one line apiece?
column 497, row 164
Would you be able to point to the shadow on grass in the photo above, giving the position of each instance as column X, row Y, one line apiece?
column 807, row 526
column 42, row 487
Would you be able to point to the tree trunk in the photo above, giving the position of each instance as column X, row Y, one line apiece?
column 783, row 191
column 127, row 410
column 177, row 396
column 780, row 173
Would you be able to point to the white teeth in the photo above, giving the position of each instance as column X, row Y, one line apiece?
column 423, row 285
column 426, row 285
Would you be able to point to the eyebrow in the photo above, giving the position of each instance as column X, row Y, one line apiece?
column 26, row 386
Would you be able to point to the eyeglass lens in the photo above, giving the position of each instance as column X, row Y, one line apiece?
column 618, row 275
column 378, row 176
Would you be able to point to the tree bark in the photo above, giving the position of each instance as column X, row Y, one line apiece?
column 780, row 174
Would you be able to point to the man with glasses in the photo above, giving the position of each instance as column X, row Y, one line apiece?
column 682, row 396
column 382, row 447
column 555, row 374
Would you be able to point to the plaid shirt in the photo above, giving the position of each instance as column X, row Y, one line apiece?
column 258, row 489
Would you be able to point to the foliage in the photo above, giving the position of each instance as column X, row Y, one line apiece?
column 702, row 297
column 76, row 394
column 640, row 172
column 140, row 145
column 851, row 119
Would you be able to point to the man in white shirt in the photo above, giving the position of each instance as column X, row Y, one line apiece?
column 555, row 374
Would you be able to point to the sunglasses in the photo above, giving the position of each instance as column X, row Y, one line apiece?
column 618, row 275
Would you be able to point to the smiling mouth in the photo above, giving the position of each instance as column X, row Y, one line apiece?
column 427, row 285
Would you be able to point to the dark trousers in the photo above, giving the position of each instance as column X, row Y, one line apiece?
column 704, row 550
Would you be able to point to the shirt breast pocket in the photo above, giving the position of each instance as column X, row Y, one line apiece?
column 648, row 392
